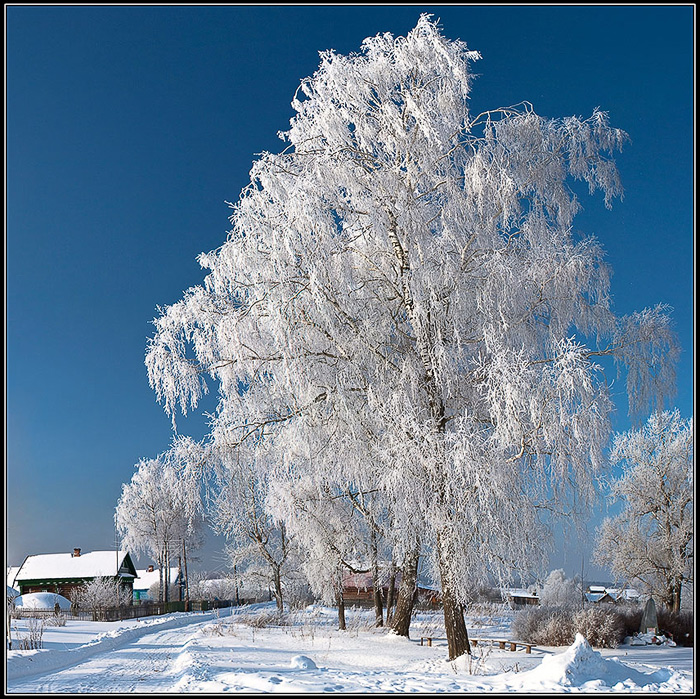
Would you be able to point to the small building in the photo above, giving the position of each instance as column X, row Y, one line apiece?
column 517, row 598
column 62, row 573
column 148, row 577
column 358, row 588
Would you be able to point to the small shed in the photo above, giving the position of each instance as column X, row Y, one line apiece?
column 517, row 598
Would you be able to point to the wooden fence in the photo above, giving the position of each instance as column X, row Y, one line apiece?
column 130, row 611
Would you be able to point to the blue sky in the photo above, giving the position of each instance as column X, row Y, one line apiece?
column 127, row 129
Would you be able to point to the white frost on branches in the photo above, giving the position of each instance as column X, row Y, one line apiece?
column 652, row 539
column 405, row 274
column 160, row 511
column 560, row 591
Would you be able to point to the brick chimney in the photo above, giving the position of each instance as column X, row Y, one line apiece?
column 76, row 553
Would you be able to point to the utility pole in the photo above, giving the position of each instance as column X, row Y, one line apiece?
column 116, row 578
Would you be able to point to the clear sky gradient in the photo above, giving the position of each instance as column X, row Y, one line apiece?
column 127, row 129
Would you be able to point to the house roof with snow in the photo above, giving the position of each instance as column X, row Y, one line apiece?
column 600, row 593
column 77, row 566
column 595, row 596
column 519, row 592
column 11, row 575
column 628, row 593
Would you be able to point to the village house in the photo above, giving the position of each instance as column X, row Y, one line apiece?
column 358, row 589
column 601, row 594
column 63, row 573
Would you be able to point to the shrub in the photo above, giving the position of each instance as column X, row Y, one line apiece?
column 546, row 626
column 56, row 620
column 262, row 619
column 630, row 617
column 558, row 630
column 679, row 625
column 35, row 634
column 600, row 626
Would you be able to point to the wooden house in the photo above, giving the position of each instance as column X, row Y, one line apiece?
column 62, row 573
column 517, row 598
column 358, row 589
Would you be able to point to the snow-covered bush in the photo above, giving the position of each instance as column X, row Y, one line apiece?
column 601, row 627
column 547, row 626
column 56, row 619
column 101, row 593
column 154, row 592
column 559, row 591
column 558, row 629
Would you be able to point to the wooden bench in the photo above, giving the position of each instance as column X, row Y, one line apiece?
column 502, row 644
column 427, row 639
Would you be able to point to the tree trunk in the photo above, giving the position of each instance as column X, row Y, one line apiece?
column 341, row 610
column 277, row 579
column 457, row 639
column 675, row 596
column 391, row 595
column 165, row 574
column 401, row 622
column 187, row 578
column 9, row 626
column 376, row 583
column 455, row 628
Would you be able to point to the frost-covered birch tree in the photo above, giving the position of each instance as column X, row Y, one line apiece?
column 652, row 539
column 256, row 541
column 408, row 256
column 160, row 511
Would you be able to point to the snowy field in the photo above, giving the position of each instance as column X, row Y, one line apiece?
column 208, row 652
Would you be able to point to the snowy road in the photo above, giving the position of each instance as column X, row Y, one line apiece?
column 148, row 664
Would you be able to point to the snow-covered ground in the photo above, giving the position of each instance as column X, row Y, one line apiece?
column 208, row 652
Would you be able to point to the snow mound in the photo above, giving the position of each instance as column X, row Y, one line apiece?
column 42, row 600
column 581, row 667
column 576, row 665
column 301, row 662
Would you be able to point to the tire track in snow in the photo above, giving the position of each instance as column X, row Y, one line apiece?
column 146, row 664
